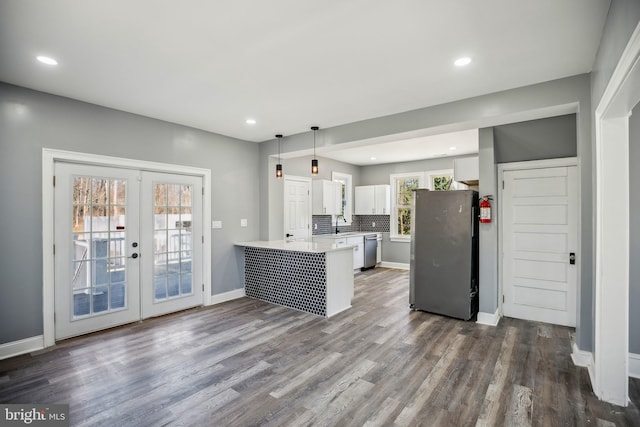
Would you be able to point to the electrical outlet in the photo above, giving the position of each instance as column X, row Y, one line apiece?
column 243, row 222
column 373, row 224
column 216, row 224
column 315, row 226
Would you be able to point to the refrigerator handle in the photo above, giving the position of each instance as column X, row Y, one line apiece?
column 473, row 221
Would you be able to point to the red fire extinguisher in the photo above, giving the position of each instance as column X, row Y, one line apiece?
column 485, row 209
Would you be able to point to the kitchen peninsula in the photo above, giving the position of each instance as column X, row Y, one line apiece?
column 314, row 277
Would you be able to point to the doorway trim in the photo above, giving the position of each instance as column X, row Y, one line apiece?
column 536, row 164
column 49, row 157
column 611, row 295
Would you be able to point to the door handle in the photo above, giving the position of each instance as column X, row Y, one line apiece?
column 289, row 235
column 572, row 258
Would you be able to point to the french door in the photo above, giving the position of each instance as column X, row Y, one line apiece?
column 125, row 246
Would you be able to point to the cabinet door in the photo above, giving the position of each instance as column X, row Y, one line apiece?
column 364, row 200
column 382, row 199
column 324, row 197
column 358, row 251
column 466, row 169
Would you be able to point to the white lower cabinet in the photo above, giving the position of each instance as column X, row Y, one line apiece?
column 358, row 250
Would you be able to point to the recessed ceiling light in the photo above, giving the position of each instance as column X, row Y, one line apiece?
column 461, row 62
column 453, row 148
column 250, row 121
column 372, row 158
column 47, row 60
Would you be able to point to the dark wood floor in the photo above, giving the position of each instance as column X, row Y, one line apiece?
column 246, row 363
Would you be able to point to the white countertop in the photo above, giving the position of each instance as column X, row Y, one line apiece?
column 297, row 245
column 346, row 234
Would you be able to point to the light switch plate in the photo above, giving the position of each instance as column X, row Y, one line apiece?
column 315, row 226
column 216, row 224
column 373, row 224
column 243, row 222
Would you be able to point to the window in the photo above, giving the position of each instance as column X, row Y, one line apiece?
column 402, row 186
column 346, row 196
column 441, row 180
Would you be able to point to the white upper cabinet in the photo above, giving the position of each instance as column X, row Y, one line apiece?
column 466, row 170
column 382, row 199
column 373, row 200
column 327, row 198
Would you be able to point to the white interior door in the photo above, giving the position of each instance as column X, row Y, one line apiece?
column 96, row 242
column 129, row 245
column 171, row 235
column 297, row 208
column 540, row 218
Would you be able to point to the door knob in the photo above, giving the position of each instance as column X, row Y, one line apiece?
column 134, row 244
column 134, row 255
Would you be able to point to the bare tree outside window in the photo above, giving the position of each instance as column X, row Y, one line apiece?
column 404, row 191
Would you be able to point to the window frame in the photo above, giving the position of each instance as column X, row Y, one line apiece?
column 425, row 180
column 429, row 175
column 347, row 180
column 393, row 178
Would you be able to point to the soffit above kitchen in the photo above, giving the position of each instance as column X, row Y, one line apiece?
column 289, row 64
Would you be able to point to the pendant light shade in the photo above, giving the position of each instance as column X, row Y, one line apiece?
column 314, row 161
column 279, row 165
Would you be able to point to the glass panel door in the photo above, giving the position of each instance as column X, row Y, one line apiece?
column 96, row 238
column 172, row 228
column 128, row 246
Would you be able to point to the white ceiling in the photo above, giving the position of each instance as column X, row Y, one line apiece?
column 405, row 150
column 290, row 64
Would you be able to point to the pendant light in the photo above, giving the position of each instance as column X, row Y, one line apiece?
column 279, row 165
column 314, row 161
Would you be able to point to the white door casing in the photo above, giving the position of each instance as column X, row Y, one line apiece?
column 297, row 208
column 50, row 157
column 611, row 323
column 539, row 232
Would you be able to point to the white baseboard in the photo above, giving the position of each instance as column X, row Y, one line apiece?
column 490, row 319
column 227, row 296
column 584, row 359
column 397, row 265
column 26, row 345
column 634, row 365
column 581, row 357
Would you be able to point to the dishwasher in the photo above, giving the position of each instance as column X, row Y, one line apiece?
column 370, row 251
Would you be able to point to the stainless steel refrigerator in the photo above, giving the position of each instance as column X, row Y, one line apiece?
column 444, row 253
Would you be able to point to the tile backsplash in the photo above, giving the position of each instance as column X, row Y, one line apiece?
column 322, row 224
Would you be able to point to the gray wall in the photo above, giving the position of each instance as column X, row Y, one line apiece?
column 634, row 231
column 31, row 120
column 488, row 233
column 300, row 166
column 622, row 20
column 549, row 138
